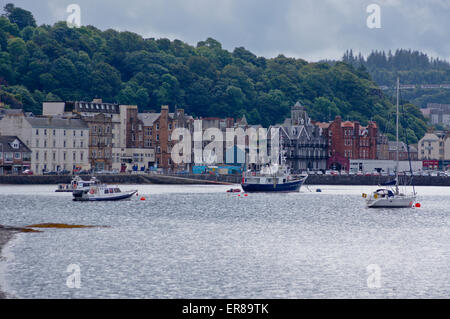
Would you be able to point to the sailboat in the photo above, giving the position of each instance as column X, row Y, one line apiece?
column 391, row 197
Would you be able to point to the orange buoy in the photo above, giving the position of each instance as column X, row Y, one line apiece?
column 142, row 198
column 418, row 205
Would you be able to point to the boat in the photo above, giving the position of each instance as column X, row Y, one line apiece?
column 392, row 197
column 94, row 190
column 234, row 190
column 69, row 187
column 273, row 178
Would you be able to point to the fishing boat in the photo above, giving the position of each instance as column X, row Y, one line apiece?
column 392, row 197
column 272, row 178
column 94, row 190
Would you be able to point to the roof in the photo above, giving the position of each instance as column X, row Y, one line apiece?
column 148, row 118
column 96, row 107
column 347, row 124
column 7, row 141
column 57, row 123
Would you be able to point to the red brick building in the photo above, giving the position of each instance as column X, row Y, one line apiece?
column 157, row 130
column 349, row 140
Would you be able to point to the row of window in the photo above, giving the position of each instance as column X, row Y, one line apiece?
column 10, row 156
column 80, row 144
column 45, row 131
column 54, row 156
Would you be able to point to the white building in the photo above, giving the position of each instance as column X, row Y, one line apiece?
column 56, row 143
column 383, row 166
column 431, row 146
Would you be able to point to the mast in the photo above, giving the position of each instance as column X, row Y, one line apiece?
column 396, row 166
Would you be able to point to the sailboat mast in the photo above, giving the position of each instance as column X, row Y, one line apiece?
column 396, row 167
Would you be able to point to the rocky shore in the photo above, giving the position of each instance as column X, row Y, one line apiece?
column 6, row 233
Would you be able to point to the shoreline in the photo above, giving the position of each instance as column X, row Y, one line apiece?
column 6, row 234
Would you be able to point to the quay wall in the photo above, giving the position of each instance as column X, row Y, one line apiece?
column 222, row 179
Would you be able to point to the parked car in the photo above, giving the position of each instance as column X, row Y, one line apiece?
column 50, row 173
column 64, row 172
column 359, row 173
column 27, row 172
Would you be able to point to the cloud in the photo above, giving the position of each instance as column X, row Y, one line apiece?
column 308, row 29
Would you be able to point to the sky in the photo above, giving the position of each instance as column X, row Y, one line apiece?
column 310, row 29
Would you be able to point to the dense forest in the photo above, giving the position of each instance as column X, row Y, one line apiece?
column 412, row 67
column 50, row 63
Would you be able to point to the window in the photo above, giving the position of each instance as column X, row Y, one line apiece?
column 45, row 143
column 37, row 156
column 157, row 126
column 64, row 132
column 74, row 133
column 81, row 156
column 54, row 143
column 74, row 156
column 64, row 144
column 65, row 155
column 74, row 144
column 81, row 133
column 45, row 131
column 37, row 131
column 54, row 156
column 17, row 155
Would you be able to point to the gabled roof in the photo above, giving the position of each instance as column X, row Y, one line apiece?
column 148, row 118
column 7, row 142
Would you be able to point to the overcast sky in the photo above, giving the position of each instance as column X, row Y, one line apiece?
column 308, row 29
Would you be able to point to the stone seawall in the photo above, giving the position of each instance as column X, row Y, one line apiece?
column 224, row 179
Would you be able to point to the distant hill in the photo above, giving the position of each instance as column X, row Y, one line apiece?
column 39, row 63
column 413, row 67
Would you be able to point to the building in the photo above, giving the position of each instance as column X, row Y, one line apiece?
column 431, row 146
column 384, row 166
column 56, row 143
column 402, row 152
column 438, row 114
column 157, row 129
column 349, row 140
column 15, row 156
column 107, row 124
column 382, row 147
column 304, row 142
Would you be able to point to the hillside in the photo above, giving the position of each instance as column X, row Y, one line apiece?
column 39, row 63
column 413, row 67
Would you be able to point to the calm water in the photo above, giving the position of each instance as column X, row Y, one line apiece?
column 200, row 242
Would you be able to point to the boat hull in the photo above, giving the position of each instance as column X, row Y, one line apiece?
column 293, row 186
column 84, row 196
column 406, row 202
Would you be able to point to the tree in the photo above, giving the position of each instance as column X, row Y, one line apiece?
column 19, row 16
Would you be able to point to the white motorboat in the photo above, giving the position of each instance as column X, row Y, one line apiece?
column 94, row 190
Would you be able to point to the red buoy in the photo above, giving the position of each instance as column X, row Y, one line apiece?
column 246, row 195
column 142, row 198
column 418, row 205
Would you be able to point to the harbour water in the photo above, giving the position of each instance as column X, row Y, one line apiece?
column 201, row 242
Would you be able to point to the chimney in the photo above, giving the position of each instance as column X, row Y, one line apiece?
column 164, row 110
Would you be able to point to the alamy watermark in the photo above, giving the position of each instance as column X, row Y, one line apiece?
column 373, row 276
column 74, row 279
column 74, row 18
column 374, row 19
column 212, row 145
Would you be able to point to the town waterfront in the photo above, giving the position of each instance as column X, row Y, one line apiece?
column 197, row 241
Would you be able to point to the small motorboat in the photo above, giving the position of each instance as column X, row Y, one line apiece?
column 234, row 190
column 94, row 190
